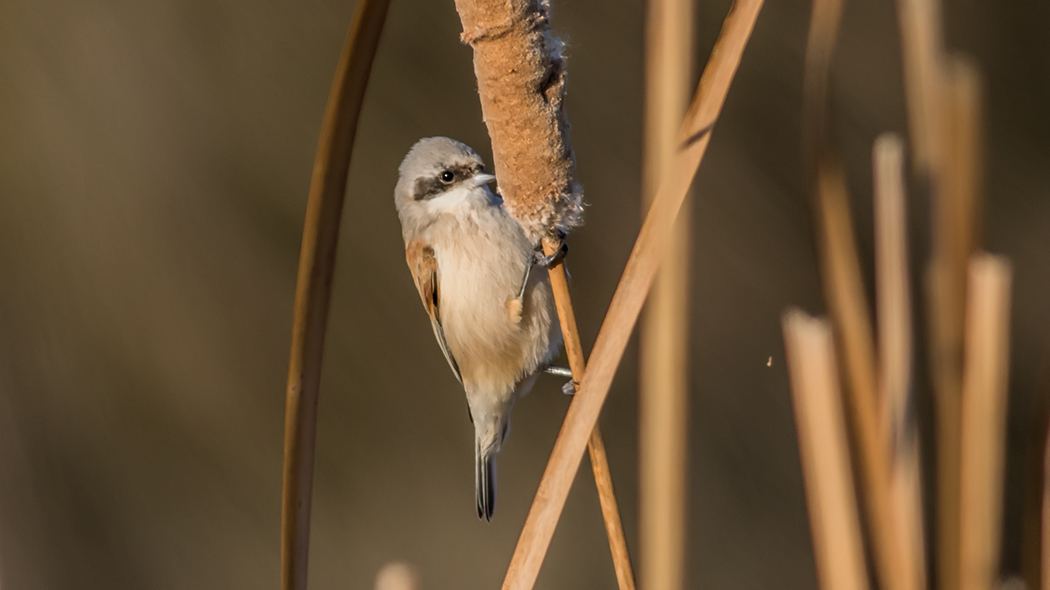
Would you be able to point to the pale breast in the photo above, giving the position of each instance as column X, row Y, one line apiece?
column 481, row 254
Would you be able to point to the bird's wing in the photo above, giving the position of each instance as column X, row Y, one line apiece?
column 423, row 265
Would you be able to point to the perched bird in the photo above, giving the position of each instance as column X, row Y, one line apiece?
column 471, row 261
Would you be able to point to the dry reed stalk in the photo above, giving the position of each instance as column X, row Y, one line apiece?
column 948, row 409
column 955, row 219
column 985, row 379
column 954, row 201
column 664, row 334
column 314, row 285
column 844, row 292
column 922, row 50
column 837, row 544
column 653, row 241
column 895, row 358
column 521, row 82
column 610, row 511
column 595, row 445
column 852, row 329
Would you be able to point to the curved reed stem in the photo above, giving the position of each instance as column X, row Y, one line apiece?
column 314, row 287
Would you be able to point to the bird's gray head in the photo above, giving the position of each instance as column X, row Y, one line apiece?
column 434, row 167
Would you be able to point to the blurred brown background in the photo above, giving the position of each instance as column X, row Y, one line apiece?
column 154, row 164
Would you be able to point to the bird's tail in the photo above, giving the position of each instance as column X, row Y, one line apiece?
column 485, row 479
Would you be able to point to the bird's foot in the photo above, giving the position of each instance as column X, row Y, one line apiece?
column 555, row 257
column 570, row 386
column 536, row 258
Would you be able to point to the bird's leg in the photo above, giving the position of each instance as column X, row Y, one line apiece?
column 525, row 278
column 516, row 305
column 558, row 372
column 570, row 386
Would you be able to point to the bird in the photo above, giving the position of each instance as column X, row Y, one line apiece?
column 493, row 318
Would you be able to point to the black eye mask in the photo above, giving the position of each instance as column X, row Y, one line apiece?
column 429, row 187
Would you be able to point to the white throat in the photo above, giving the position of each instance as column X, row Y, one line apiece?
column 461, row 198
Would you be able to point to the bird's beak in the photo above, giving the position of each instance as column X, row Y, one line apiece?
column 480, row 179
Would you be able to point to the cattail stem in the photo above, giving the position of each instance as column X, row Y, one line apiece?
column 595, row 445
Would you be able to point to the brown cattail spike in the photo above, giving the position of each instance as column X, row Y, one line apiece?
column 521, row 81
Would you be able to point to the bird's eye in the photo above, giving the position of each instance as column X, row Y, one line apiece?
column 447, row 176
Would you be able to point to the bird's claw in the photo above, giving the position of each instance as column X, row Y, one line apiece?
column 569, row 388
column 549, row 260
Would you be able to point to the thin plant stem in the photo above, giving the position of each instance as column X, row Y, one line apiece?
column 663, row 336
column 314, row 286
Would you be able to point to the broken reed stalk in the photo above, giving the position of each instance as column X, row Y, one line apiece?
column 984, row 420
column 595, row 444
column 846, row 301
column 922, row 50
column 955, row 219
column 837, row 544
column 844, row 291
column 954, row 203
column 521, row 84
column 649, row 249
column 663, row 340
column 314, row 284
column 895, row 358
